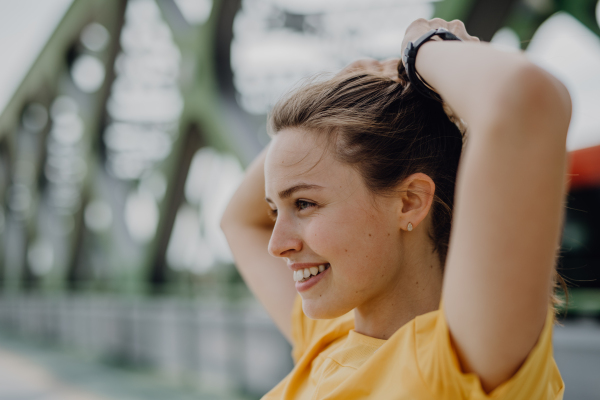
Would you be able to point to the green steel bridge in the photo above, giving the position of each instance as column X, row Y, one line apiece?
column 130, row 127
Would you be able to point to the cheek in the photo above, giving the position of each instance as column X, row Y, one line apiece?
column 362, row 249
column 349, row 239
column 327, row 239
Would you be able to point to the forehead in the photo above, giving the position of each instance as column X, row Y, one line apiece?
column 296, row 156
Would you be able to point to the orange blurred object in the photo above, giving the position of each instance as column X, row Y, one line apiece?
column 584, row 168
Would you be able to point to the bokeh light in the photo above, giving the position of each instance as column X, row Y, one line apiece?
column 98, row 216
column 40, row 256
column 506, row 39
column 95, row 37
column 88, row 73
column 141, row 216
column 196, row 12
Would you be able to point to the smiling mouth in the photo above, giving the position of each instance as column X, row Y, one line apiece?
column 302, row 275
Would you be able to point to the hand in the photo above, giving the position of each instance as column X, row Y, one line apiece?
column 421, row 26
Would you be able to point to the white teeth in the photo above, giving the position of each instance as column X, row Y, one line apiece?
column 302, row 274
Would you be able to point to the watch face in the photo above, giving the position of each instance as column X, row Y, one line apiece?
column 278, row 43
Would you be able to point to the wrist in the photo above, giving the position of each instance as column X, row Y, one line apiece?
column 409, row 57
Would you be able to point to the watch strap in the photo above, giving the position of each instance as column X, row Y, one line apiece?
column 409, row 58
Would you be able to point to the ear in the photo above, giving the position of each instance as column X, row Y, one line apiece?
column 417, row 193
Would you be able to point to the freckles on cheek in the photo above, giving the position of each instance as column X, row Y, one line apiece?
column 319, row 238
column 328, row 241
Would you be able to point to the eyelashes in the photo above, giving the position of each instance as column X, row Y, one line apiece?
column 272, row 214
column 300, row 205
column 303, row 205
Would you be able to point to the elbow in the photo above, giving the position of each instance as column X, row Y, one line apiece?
column 224, row 223
column 226, row 219
column 545, row 96
column 535, row 101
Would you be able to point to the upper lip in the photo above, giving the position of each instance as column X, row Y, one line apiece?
column 297, row 266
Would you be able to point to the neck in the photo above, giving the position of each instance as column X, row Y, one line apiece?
column 416, row 292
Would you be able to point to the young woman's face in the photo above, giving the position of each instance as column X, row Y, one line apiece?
column 325, row 215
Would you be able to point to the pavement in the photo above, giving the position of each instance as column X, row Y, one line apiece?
column 36, row 372
column 577, row 354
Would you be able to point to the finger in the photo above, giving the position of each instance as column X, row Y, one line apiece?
column 438, row 23
column 419, row 21
column 458, row 24
column 458, row 28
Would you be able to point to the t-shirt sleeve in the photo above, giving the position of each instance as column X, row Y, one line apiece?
column 537, row 379
column 307, row 332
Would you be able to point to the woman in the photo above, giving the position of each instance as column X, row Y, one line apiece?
column 360, row 180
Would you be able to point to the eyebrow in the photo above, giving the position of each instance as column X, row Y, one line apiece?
column 284, row 194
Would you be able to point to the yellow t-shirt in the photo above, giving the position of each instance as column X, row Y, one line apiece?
column 418, row 361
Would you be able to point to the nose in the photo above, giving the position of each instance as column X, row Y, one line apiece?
column 284, row 239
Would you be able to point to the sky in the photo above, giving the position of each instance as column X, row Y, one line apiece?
column 25, row 27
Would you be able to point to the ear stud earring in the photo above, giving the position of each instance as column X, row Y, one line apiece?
column 409, row 227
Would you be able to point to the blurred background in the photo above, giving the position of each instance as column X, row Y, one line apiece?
column 126, row 125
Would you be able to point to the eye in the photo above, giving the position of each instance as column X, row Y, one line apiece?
column 273, row 214
column 303, row 204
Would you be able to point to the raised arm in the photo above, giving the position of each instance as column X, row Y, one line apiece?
column 248, row 228
column 509, row 197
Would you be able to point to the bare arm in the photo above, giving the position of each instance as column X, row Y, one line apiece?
column 509, row 199
column 248, row 228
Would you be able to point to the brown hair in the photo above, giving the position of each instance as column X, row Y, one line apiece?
column 385, row 129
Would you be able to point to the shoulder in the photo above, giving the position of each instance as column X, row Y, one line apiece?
column 537, row 378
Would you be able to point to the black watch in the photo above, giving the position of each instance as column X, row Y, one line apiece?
column 410, row 56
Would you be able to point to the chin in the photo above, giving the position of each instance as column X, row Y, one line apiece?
column 322, row 308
